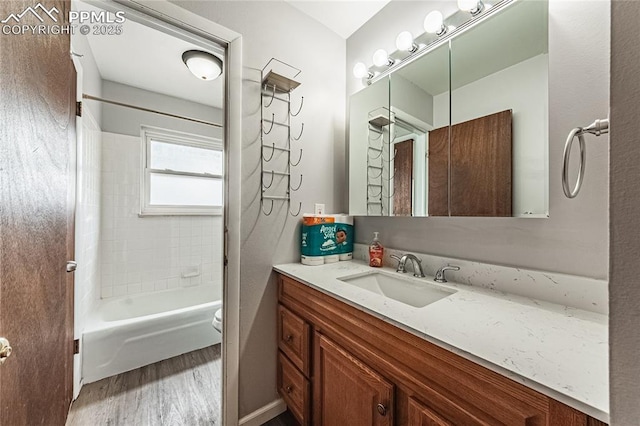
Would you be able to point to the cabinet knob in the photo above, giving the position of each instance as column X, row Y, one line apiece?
column 289, row 338
column 289, row 389
column 382, row 410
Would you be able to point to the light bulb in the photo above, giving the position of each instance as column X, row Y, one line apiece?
column 360, row 70
column 381, row 58
column 433, row 23
column 404, row 41
column 472, row 6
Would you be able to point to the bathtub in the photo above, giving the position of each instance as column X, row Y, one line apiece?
column 129, row 332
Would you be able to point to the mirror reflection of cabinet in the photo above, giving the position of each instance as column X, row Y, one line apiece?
column 476, row 111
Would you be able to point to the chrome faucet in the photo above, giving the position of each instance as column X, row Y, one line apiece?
column 417, row 264
column 440, row 278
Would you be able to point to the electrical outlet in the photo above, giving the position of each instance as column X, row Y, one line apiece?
column 319, row 208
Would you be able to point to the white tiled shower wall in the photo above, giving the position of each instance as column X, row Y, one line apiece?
column 146, row 254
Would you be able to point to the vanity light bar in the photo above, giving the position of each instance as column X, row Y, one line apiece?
column 478, row 14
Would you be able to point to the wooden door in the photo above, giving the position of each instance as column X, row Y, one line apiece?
column 421, row 415
column 37, row 193
column 403, row 178
column 481, row 166
column 438, row 172
column 346, row 391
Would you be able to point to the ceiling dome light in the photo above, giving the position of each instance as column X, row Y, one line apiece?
column 474, row 7
column 434, row 23
column 404, row 41
column 381, row 58
column 360, row 70
column 203, row 65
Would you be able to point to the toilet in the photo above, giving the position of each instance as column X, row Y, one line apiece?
column 217, row 320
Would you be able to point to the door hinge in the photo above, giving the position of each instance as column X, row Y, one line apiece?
column 226, row 261
column 76, row 346
column 79, row 109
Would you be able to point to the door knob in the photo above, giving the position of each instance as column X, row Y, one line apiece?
column 71, row 266
column 5, row 350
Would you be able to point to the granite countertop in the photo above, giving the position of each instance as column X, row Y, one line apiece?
column 557, row 350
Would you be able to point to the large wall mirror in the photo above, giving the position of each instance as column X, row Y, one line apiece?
column 461, row 130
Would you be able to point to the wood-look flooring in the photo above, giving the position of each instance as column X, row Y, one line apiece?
column 284, row 419
column 185, row 390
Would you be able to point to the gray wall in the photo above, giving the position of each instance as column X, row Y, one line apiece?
column 574, row 239
column 624, row 290
column 127, row 121
column 276, row 29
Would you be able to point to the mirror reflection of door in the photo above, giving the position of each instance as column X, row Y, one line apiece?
column 481, row 166
column 403, row 178
column 439, row 172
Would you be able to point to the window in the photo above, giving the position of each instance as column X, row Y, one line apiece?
column 181, row 174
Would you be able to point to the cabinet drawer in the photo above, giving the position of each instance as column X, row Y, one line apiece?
column 293, row 338
column 294, row 389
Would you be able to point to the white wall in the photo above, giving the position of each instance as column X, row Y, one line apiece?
column 127, row 121
column 411, row 99
column 523, row 88
column 147, row 254
column 574, row 239
column 276, row 29
column 624, row 290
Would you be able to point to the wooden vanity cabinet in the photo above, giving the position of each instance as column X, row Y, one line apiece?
column 362, row 370
column 346, row 391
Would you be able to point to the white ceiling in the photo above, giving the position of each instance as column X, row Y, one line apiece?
column 341, row 17
column 150, row 59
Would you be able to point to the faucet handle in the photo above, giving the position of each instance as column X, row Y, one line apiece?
column 440, row 277
column 401, row 261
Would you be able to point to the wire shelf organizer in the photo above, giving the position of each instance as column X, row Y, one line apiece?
column 277, row 136
column 378, row 161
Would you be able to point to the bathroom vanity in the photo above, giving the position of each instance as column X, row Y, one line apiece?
column 467, row 356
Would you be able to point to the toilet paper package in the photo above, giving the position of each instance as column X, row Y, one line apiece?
column 312, row 260
column 331, row 240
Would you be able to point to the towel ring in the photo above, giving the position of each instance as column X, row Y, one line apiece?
column 571, row 193
column 596, row 128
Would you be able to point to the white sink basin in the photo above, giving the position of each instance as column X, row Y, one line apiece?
column 414, row 292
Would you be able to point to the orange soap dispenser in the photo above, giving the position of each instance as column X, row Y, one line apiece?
column 376, row 251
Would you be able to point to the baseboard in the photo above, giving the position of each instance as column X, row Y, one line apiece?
column 264, row 414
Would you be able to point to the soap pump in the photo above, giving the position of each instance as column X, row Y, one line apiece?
column 376, row 252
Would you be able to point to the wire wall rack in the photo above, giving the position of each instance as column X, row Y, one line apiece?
column 279, row 157
column 379, row 160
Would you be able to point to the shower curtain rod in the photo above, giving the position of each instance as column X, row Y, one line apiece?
column 107, row 101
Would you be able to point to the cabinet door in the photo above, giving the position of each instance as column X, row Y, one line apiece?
column 346, row 391
column 421, row 415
